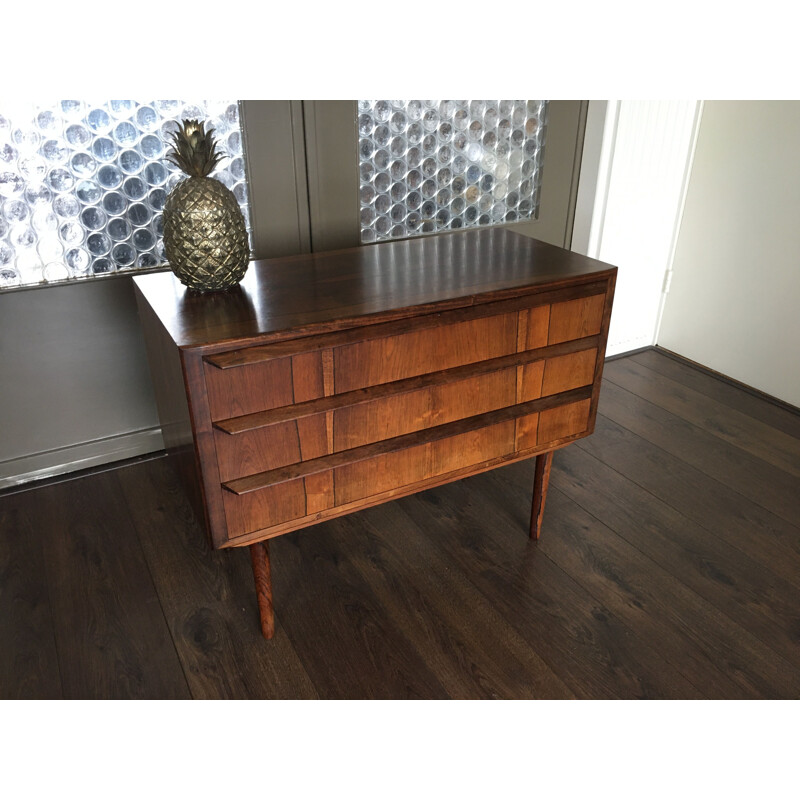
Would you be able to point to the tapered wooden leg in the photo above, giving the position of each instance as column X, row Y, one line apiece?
column 541, row 479
column 259, row 555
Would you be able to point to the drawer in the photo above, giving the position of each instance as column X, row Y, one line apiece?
column 266, row 507
column 263, row 385
column 391, row 358
column 575, row 319
column 551, row 426
column 434, row 459
column 435, row 405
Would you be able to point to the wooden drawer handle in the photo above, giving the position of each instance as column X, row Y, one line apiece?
column 290, row 347
column 262, row 480
column 262, row 419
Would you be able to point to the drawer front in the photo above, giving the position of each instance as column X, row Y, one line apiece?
column 262, row 509
column 303, row 433
column 400, row 414
column 264, row 385
column 547, row 427
column 393, row 358
column 435, row 459
column 574, row 319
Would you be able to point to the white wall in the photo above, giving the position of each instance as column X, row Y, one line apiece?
column 638, row 176
column 734, row 302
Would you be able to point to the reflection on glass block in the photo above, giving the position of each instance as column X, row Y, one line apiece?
column 100, row 266
column 71, row 233
column 21, row 236
column 44, row 220
column 109, row 176
column 143, row 239
column 66, row 206
column 77, row 259
column 135, row 189
column 114, row 203
column 82, row 165
column 98, row 244
column 130, row 161
column 55, row 271
column 11, row 184
column 138, row 214
column 119, row 229
column 15, row 211
column 457, row 163
column 123, row 254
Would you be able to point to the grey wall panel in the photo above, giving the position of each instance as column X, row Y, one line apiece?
column 276, row 176
column 72, row 372
column 332, row 158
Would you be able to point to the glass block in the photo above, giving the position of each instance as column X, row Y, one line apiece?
column 83, row 184
column 457, row 164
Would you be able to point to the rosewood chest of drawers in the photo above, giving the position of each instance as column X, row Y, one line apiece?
column 330, row 382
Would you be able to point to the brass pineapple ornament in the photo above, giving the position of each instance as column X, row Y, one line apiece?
column 205, row 236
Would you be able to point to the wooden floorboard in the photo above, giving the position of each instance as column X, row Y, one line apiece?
column 730, row 516
column 719, row 420
column 28, row 657
column 208, row 598
column 585, row 644
column 669, row 567
column 726, row 392
column 475, row 652
column 110, row 631
column 676, row 571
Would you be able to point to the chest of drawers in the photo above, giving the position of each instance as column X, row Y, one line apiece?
column 331, row 382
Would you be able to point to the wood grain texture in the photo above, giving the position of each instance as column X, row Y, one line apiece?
column 331, row 402
column 376, row 361
column 749, row 540
column 312, row 433
column 735, row 469
column 576, row 318
column 397, row 415
column 580, row 639
column 428, row 606
column 322, row 292
column 722, row 389
column 411, row 320
column 255, row 388
column 259, row 558
column 566, row 416
column 29, row 667
column 678, row 572
column 207, row 597
column 109, row 627
column 541, row 481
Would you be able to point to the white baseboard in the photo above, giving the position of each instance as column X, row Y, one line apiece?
column 75, row 457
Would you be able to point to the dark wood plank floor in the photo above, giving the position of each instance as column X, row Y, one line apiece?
column 669, row 567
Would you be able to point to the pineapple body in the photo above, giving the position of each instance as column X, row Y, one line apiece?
column 205, row 237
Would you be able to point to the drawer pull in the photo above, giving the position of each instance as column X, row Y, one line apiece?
column 261, row 480
column 262, row 419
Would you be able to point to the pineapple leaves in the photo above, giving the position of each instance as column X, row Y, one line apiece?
column 194, row 149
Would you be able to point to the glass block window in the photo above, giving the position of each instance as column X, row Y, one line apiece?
column 83, row 184
column 436, row 165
